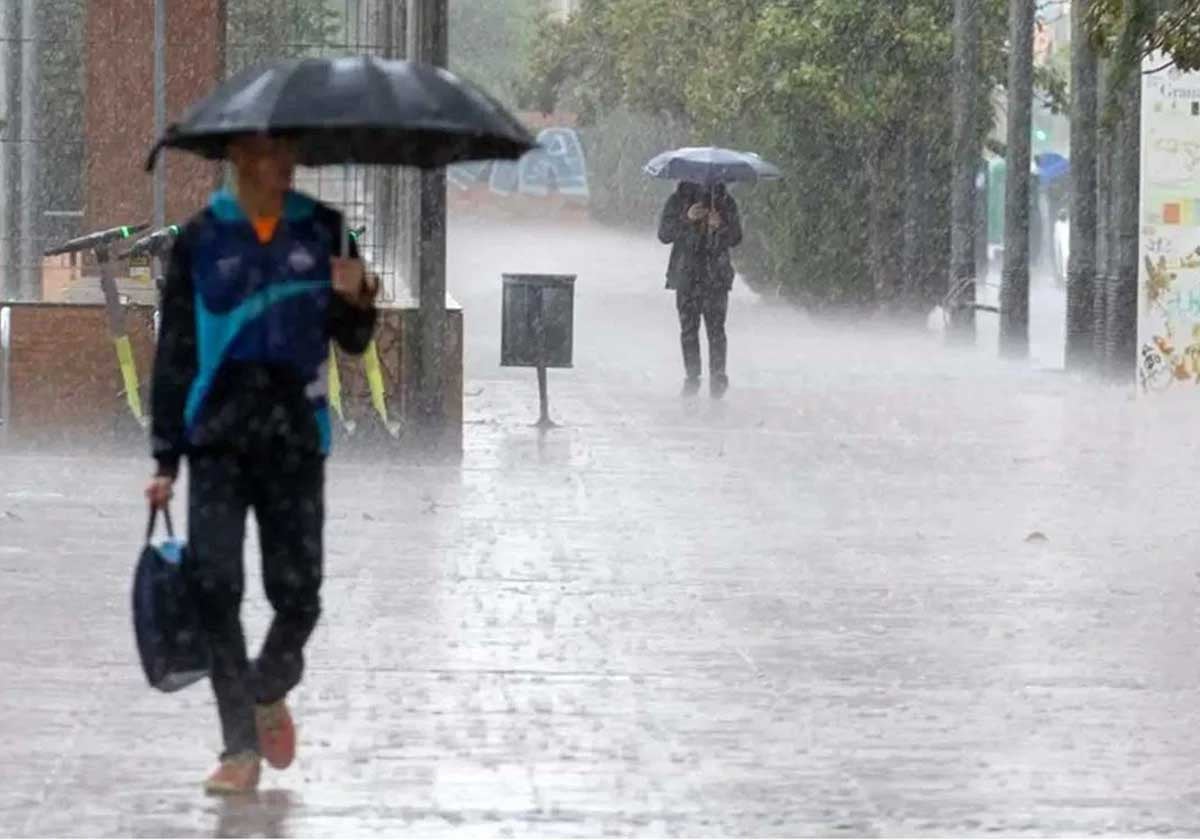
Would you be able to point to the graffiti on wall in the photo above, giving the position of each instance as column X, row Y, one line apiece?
column 1169, row 246
column 557, row 167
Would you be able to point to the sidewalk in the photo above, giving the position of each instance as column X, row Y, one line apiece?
column 817, row 608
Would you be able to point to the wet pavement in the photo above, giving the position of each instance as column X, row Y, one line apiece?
column 883, row 588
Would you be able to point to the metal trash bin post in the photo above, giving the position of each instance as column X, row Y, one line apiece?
column 537, row 328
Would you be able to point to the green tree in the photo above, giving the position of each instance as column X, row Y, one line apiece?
column 1129, row 30
column 490, row 42
column 848, row 96
column 1081, row 270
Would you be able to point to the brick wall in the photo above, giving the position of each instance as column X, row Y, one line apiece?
column 120, row 105
column 63, row 376
column 64, row 381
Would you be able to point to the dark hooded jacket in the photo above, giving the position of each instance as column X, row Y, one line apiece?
column 242, row 352
column 699, row 257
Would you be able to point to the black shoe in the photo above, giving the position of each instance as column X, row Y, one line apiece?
column 718, row 385
column 691, row 386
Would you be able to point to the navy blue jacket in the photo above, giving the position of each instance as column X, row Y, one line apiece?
column 243, row 345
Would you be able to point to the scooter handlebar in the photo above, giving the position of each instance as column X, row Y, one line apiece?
column 153, row 244
column 96, row 240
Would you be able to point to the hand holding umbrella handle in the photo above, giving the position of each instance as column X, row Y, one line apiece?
column 352, row 282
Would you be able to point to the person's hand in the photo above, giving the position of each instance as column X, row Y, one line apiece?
column 159, row 491
column 351, row 283
column 714, row 220
column 696, row 212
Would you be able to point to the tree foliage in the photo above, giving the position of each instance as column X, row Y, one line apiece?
column 490, row 42
column 1126, row 32
column 1129, row 30
column 838, row 92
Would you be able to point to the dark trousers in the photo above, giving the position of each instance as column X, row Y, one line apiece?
column 287, row 496
column 711, row 304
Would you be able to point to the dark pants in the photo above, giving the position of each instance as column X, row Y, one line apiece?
column 711, row 304
column 287, row 495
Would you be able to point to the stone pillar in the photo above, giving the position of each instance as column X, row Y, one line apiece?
column 120, row 105
column 429, row 42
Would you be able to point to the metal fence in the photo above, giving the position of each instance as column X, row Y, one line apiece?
column 371, row 197
column 41, row 138
column 43, row 72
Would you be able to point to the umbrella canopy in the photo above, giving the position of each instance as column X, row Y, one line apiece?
column 711, row 165
column 1050, row 166
column 356, row 109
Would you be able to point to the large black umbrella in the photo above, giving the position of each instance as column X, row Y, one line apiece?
column 710, row 165
column 356, row 109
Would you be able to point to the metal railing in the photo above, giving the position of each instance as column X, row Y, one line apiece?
column 42, row 94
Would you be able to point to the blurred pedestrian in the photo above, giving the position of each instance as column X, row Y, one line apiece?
column 257, row 286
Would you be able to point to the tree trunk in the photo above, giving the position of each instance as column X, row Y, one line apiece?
column 937, row 236
column 1014, row 295
column 875, row 223
column 1104, row 195
column 429, row 42
column 1122, row 303
column 1081, row 262
column 966, row 163
column 918, row 221
column 885, row 219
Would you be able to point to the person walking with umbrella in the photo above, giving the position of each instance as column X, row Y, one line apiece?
column 258, row 283
column 256, row 286
column 701, row 223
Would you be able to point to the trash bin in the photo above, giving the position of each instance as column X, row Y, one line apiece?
column 538, row 321
column 538, row 326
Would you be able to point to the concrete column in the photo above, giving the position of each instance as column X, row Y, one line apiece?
column 428, row 42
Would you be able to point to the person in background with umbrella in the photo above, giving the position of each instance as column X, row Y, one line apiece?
column 256, row 286
column 701, row 225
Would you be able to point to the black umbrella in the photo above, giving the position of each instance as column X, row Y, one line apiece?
column 710, row 165
column 355, row 109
